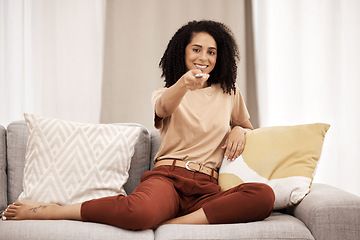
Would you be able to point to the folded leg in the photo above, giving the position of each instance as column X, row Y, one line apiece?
column 244, row 203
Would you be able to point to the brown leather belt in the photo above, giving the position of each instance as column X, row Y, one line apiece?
column 189, row 165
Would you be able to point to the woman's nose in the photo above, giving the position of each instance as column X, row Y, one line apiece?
column 203, row 56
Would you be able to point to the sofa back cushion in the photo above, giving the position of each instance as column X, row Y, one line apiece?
column 140, row 161
column 3, row 177
column 155, row 145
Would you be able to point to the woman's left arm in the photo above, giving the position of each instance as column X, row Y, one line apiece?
column 235, row 141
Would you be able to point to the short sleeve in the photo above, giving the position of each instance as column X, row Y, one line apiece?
column 155, row 96
column 239, row 112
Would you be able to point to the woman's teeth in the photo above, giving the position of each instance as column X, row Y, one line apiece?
column 201, row 66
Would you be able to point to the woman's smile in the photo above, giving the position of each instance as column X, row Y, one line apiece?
column 201, row 67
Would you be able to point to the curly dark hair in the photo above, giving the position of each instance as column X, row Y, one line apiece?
column 225, row 71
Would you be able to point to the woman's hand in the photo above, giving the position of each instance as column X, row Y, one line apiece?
column 172, row 97
column 195, row 79
column 235, row 143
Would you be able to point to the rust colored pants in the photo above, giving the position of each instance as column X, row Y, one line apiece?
column 167, row 192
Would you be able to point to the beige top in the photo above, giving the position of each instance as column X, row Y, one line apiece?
column 197, row 130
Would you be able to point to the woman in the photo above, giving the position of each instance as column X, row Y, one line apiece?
column 202, row 119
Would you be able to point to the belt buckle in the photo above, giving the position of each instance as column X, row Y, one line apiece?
column 187, row 166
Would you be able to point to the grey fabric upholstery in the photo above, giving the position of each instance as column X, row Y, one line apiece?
column 3, row 175
column 277, row 226
column 66, row 230
column 140, row 160
column 155, row 145
column 329, row 213
column 16, row 147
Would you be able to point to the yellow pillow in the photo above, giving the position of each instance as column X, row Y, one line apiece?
column 283, row 157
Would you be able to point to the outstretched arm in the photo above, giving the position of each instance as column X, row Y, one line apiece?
column 171, row 98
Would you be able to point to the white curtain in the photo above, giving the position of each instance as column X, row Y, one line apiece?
column 51, row 58
column 14, row 28
column 308, row 70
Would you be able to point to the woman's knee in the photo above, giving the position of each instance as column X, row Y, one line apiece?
column 141, row 218
column 263, row 196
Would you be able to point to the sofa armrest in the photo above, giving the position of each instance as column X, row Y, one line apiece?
column 3, row 175
column 329, row 213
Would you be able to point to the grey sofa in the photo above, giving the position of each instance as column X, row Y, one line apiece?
column 325, row 213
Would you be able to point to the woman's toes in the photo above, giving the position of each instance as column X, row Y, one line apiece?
column 4, row 218
column 9, row 213
column 3, row 215
column 17, row 204
column 12, row 207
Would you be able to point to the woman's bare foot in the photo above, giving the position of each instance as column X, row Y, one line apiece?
column 25, row 210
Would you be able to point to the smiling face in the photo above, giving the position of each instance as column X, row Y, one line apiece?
column 201, row 53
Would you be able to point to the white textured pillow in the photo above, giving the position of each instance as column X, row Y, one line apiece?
column 68, row 162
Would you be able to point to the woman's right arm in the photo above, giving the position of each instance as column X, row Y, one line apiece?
column 172, row 97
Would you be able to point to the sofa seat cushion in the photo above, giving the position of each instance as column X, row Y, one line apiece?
column 277, row 226
column 66, row 229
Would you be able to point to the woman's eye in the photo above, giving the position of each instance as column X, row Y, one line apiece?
column 196, row 50
column 212, row 53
